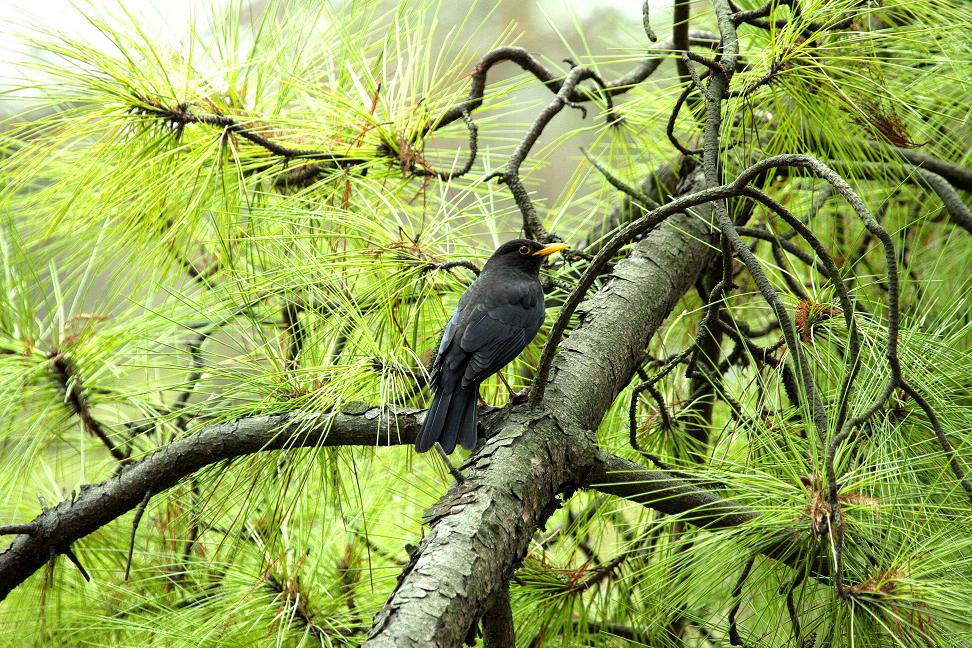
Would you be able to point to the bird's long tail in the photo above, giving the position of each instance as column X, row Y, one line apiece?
column 451, row 418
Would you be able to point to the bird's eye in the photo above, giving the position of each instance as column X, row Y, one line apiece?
column 524, row 250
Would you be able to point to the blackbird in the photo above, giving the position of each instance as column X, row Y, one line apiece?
column 496, row 318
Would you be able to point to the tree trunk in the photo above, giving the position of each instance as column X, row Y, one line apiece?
column 481, row 529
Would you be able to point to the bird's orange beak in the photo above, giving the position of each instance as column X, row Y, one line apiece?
column 549, row 249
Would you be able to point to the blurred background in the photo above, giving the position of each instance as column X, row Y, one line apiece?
column 607, row 33
column 609, row 30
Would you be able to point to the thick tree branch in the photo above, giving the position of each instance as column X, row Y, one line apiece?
column 481, row 529
column 958, row 176
column 95, row 506
column 663, row 492
column 54, row 530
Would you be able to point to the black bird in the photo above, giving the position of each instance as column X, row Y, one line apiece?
column 497, row 317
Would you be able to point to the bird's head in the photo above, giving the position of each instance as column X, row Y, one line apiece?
column 523, row 254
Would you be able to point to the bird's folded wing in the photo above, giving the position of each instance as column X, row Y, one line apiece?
column 494, row 337
column 448, row 336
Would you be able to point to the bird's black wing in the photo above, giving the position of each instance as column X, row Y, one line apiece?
column 449, row 357
column 495, row 333
column 494, row 321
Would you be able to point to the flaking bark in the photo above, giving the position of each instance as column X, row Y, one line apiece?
column 480, row 530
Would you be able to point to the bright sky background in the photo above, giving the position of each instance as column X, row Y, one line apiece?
column 163, row 17
column 168, row 18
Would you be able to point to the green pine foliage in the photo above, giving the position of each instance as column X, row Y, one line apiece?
column 161, row 272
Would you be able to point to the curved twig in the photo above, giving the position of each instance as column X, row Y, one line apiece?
column 445, row 176
column 528, row 63
column 673, row 116
column 734, row 638
column 510, row 173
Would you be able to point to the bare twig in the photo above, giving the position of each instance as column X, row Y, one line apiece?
column 645, row 22
column 30, row 528
column 510, row 174
column 473, row 131
column 734, row 638
column 138, row 518
column 69, row 382
column 449, row 265
column 677, row 108
column 445, row 458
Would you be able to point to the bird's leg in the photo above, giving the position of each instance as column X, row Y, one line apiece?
column 452, row 469
column 521, row 396
column 506, row 384
column 516, row 397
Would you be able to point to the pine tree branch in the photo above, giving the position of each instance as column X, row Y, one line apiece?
column 480, row 530
column 528, row 63
column 958, row 176
column 516, row 477
column 510, row 173
column 663, row 492
column 498, row 631
column 463, row 110
column 56, row 528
